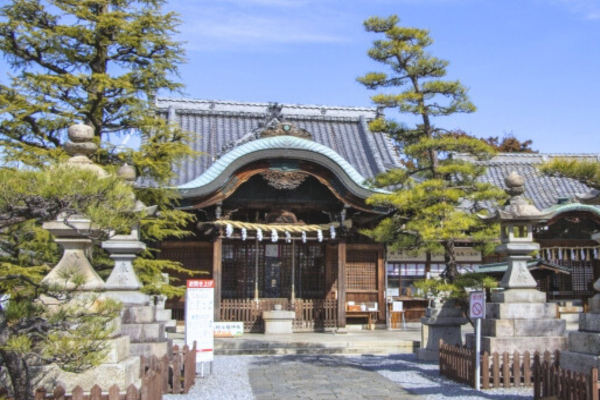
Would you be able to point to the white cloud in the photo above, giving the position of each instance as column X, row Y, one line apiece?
column 256, row 24
column 589, row 9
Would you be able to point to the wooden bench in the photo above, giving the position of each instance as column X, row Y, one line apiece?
column 368, row 311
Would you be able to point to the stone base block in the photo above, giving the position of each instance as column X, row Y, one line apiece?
column 157, row 349
column 118, row 350
column 523, row 327
column 570, row 318
column 129, row 297
column 585, row 342
column 594, row 304
column 138, row 315
column 589, row 322
column 579, row 362
column 140, row 333
column 521, row 310
column 431, row 335
column 428, row 355
column 277, row 322
column 123, row 374
column 518, row 296
column 162, row 315
column 520, row 344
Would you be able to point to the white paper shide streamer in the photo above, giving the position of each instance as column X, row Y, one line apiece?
column 259, row 235
column 288, row 237
column 303, row 237
column 274, row 236
column 228, row 230
column 332, row 232
column 320, row 235
column 244, row 234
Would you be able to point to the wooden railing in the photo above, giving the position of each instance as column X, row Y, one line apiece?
column 311, row 314
column 551, row 381
column 178, row 374
column 498, row 370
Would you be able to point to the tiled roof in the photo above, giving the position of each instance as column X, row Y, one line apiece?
column 543, row 191
column 220, row 123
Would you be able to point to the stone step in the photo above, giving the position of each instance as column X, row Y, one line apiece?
column 314, row 351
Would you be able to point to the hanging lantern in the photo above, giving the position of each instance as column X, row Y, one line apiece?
column 582, row 255
column 320, row 235
column 244, row 234
column 228, row 230
column 573, row 255
column 288, row 237
column 303, row 237
column 332, row 232
column 274, row 236
column 259, row 235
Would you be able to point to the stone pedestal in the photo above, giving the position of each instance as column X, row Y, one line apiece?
column 520, row 320
column 142, row 320
column 277, row 321
column 584, row 345
column 440, row 323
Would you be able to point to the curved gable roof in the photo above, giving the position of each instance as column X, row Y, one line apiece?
column 278, row 147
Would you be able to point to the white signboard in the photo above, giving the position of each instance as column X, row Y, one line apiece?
column 397, row 306
column 199, row 317
column 477, row 305
column 229, row 329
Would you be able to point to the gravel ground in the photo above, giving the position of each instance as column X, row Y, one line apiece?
column 229, row 380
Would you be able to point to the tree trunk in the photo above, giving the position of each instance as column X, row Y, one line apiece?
column 450, row 259
column 15, row 365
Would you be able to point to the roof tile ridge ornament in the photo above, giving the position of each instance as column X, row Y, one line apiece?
column 274, row 124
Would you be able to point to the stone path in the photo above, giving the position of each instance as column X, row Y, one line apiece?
column 319, row 378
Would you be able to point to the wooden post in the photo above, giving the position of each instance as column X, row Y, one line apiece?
column 217, row 275
column 381, row 284
column 341, row 284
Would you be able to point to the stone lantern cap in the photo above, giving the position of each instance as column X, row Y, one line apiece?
column 517, row 208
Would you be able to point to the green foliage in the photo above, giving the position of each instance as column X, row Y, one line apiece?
column 586, row 172
column 438, row 195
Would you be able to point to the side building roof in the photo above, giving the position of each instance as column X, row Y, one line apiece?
column 221, row 126
column 544, row 191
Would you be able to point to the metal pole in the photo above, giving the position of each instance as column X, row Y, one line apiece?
column 478, row 354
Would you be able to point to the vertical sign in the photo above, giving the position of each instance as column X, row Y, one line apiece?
column 477, row 312
column 477, row 304
column 199, row 317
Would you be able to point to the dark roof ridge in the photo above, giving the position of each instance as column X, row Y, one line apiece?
column 169, row 100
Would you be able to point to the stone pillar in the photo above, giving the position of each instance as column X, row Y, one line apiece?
column 341, row 296
column 441, row 322
column 518, row 318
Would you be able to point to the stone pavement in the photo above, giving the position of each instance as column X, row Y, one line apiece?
column 319, row 378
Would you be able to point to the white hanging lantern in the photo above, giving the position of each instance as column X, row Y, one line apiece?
column 332, row 232
column 288, row 237
column 274, row 236
column 320, row 235
column 303, row 237
column 228, row 230
column 244, row 234
column 573, row 255
column 259, row 235
column 582, row 255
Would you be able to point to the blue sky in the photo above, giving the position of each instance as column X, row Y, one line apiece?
column 532, row 66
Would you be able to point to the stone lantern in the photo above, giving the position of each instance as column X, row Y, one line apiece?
column 74, row 262
column 518, row 317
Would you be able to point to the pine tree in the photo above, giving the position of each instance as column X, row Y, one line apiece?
column 435, row 194
column 586, row 172
column 100, row 62
column 71, row 334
